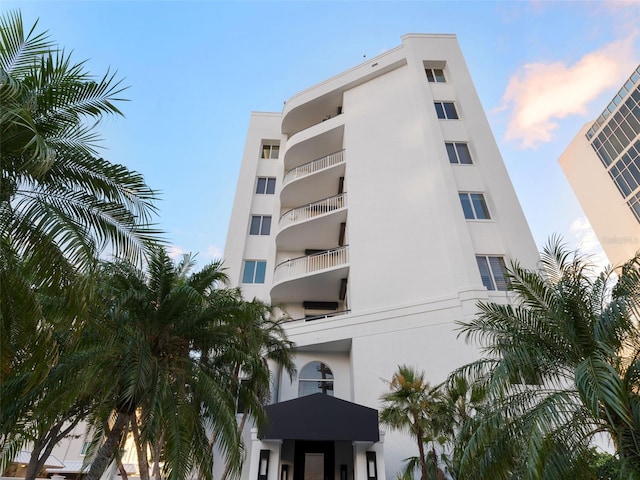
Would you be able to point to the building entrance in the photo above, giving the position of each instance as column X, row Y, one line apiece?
column 314, row 460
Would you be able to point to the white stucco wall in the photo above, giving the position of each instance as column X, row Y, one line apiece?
column 412, row 267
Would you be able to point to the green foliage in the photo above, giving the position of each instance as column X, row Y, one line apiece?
column 157, row 350
column 414, row 406
column 169, row 343
column 60, row 204
column 561, row 364
column 605, row 466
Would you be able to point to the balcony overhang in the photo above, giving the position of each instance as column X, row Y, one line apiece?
column 317, row 179
column 315, row 142
column 315, row 233
column 322, row 286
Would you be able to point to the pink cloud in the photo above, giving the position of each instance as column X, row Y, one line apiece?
column 541, row 93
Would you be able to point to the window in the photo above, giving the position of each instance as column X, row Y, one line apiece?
column 270, row 150
column 254, row 271
column 493, row 272
column 85, row 448
column 446, row 110
column 458, row 153
column 315, row 377
column 266, row 185
column 260, row 225
column 435, row 75
column 474, row 206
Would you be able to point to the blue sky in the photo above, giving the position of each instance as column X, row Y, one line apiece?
column 196, row 69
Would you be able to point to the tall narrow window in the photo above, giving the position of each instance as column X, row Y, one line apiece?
column 474, row 206
column 266, row 185
column 435, row 75
column 270, row 150
column 493, row 272
column 260, row 225
column 458, row 153
column 254, row 271
column 446, row 110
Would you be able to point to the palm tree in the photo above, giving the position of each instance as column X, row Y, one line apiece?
column 259, row 338
column 60, row 204
column 166, row 339
column 562, row 364
column 459, row 413
column 412, row 406
column 44, row 394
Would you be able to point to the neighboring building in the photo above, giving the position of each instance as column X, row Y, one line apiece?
column 377, row 209
column 602, row 164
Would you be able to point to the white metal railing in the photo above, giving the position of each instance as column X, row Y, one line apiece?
column 297, row 267
column 312, row 210
column 313, row 167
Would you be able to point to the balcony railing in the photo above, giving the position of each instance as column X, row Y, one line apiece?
column 313, row 167
column 312, row 210
column 300, row 266
column 320, row 316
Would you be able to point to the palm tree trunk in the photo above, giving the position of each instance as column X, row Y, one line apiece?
column 43, row 446
column 123, row 472
column 227, row 467
column 143, row 462
column 435, row 461
column 36, row 462
column 157, row 449
column 423, row 460
column 105, row 452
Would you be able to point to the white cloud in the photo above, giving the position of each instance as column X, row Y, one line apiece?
column 585, row 240
column 212, row 253
column 175, row 252
column 539, row 94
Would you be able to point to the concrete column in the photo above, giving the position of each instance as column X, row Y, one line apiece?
column 360, row 460
column 274, row 448
column 360, row 450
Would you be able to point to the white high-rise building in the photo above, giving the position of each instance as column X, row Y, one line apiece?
column 377, row 209
column 602, row 164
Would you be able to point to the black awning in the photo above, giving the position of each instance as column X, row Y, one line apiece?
column 320, row 417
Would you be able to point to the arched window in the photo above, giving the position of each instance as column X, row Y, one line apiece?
column 315, row 377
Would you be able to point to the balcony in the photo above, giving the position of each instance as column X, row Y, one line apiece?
column 313, row 226
column 314, row 142
column 315, row 276
column 313, row 167
column 316, row 179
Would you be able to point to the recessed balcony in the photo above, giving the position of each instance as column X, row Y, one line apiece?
column 316, row 179
column 313, row 226
column 318, row 276
column 314, row 142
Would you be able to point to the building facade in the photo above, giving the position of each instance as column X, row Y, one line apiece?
column 602, row 164
column 377, row 210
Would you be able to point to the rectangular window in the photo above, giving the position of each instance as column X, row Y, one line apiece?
column 270, row 150
column 458, row 153
column 446, row 110
column 474, row 206
column 493, row 272
column 266, row 185
column 260, row 225
column 435, row 75
column 254, row 271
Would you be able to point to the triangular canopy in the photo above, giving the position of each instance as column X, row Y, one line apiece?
column 320, row 417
